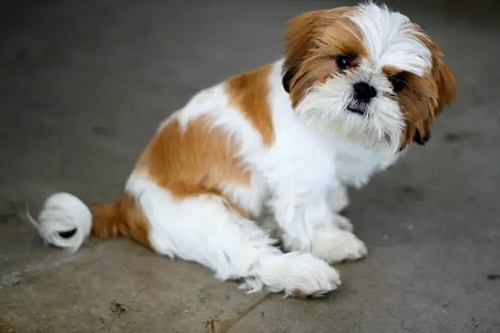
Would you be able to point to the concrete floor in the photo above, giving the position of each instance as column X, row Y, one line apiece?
column 83, row 85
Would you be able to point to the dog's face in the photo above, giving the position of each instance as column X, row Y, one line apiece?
column 366, row 73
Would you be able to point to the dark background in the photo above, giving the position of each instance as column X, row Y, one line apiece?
column 83, row 86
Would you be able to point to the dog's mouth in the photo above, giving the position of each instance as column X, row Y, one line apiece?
column 357, row 108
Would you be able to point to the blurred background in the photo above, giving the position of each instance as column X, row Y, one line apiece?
column 83, row 86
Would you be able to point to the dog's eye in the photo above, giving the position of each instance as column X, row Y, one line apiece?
column 398, row 82
column 398, row 85
column 343, row 61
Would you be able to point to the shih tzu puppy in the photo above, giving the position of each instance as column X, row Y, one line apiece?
column 277, row 145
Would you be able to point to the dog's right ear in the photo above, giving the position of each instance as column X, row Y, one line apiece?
column 299, row 39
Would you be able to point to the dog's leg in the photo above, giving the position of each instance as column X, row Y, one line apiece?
column 206, row 230
column 311, row 225
column 338, row 199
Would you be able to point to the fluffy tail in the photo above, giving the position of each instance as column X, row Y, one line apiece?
column 66, row 222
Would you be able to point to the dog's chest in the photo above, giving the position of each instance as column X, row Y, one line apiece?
column 355, row 164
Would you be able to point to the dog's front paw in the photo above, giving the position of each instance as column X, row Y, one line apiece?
column 339, row 246
column 295, row 274
column 291, row 244
column 307, row 275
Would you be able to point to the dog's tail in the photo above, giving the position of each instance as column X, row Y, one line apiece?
column 66, row 222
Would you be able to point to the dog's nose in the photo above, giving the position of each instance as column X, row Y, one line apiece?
column 364, row 92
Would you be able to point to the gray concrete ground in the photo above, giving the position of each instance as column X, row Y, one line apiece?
column 83, row 85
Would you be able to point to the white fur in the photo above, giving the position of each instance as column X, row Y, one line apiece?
column 63, row 212
column 204, row 230
column 299, row 178
column 249, row 198
column 391, row 39
column 324, row 108
column 298, row 183
column 339, row 246
column 338, row 198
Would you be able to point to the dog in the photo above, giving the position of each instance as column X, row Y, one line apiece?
column 275, row 148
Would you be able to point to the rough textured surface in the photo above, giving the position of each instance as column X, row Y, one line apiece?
column 83, row 85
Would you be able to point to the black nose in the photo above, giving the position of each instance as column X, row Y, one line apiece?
column 364, row 92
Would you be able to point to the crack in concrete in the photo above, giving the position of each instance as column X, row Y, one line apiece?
column 226, row 325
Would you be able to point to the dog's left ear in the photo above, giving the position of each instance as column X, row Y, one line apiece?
column 445, row 81
column 299, row 39
column 422, row 140
column 444, row 86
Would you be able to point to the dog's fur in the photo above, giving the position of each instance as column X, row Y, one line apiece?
column 277, row 146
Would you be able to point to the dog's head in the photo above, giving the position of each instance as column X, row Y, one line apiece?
column 367, row 73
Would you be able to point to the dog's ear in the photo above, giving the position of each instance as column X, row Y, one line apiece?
column 437, row 89
column 445, row 81
column 287, row 77
column 422, row 140
column 446, row 90
column 300, row 36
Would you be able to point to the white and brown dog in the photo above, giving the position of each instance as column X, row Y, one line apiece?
column 356, row 86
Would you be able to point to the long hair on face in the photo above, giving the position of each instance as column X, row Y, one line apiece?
column 329, row 51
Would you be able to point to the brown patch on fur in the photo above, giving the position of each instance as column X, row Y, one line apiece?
column 443, row 76
column 418, row 102
column 297, row 293
column 299, row 37
column 424, row 97
column 313, row 41
column 235, row 208
column 123, row 217
column 249, row 92
column 192, row 161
